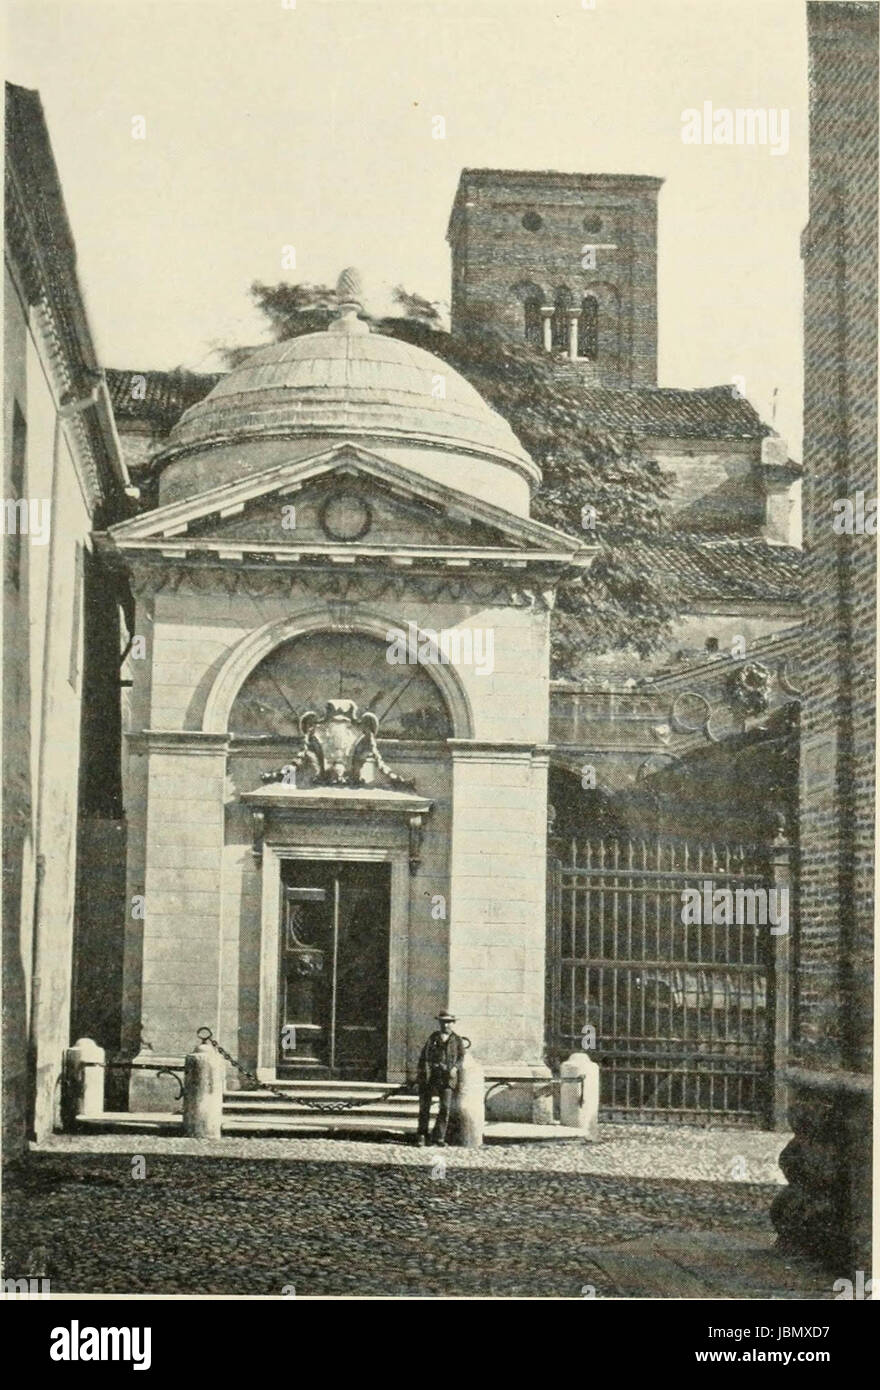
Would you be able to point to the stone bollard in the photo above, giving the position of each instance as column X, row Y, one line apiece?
column 204, row 1079
column 82, row 1086
column 468, row 1104
column 574, row 1111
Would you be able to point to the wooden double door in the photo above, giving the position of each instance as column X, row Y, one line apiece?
column 335, row 919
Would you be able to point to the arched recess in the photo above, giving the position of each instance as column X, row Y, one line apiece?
column 608, row 345
column 531, row 296
column 588, row 328
column 247, row 654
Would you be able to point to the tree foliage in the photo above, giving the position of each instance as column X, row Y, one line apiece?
column 619, row 603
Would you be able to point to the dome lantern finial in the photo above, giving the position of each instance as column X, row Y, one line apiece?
column 349, row 289
column 349, row 296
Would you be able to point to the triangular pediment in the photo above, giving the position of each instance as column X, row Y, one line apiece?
column 345, row 498
column 347, row 506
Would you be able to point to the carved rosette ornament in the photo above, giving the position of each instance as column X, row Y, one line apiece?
column 748, row 688
column 338, row 750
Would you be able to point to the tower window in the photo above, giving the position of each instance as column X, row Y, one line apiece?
column 532, row 221
column 562, row 303
column 592, row 222
column 534, row 330
column 588, row 328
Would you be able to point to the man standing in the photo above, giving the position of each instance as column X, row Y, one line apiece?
column 438, row 1075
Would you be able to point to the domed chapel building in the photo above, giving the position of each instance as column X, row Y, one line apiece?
column 336, row 770
column 352, row 792
column 301, row 794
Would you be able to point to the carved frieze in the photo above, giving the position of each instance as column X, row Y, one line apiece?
column 729, row 700
column 340, row 590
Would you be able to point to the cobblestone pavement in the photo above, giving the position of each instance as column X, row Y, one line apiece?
column 330, row 1217
column 643, row 1151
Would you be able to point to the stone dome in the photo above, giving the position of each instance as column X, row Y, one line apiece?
column 350, row 384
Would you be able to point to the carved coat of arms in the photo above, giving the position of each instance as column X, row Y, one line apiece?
column 337, row 750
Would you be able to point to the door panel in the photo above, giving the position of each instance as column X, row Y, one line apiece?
column 306, row 971
column 334, row 970
column 362, row 972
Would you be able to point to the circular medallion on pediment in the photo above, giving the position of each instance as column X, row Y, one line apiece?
column 345, row 516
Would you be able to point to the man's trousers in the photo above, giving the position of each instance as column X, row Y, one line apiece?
column 426, row 1092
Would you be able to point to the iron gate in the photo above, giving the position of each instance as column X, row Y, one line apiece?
column 688, row 1019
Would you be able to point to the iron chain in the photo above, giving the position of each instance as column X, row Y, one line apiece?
column 332, row 1107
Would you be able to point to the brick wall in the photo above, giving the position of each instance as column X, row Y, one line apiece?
column 495, row 256
column 837, row 778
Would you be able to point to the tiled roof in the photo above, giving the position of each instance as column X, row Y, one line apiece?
column 660, row 412
column 731, row 568
column 157, row 397
column 668, row 412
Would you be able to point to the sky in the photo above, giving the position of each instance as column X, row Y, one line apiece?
column 270, row 125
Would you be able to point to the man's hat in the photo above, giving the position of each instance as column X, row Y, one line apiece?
column 445, row 1015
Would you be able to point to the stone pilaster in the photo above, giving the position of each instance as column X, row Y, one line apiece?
column 181, row 930
column 497, row 927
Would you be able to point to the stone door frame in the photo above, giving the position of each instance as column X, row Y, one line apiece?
column 398, row 946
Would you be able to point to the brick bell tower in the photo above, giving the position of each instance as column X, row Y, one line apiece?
column 566, row 261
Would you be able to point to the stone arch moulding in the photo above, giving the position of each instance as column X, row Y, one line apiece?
column 525, row 289
column 254, row 646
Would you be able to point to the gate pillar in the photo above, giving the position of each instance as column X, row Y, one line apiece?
column 780, row 879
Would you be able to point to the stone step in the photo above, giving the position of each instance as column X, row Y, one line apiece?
column 512, row 1131
column 261, row 1113
column 302, row 1122
column 319, row 1093
column 130, row 1122
column 496, row 1131
column 261, row 1100
column 307, row 1087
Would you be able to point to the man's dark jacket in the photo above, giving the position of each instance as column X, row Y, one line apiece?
column 440, row 1060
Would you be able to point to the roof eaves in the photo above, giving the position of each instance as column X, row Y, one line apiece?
column 45, row 226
